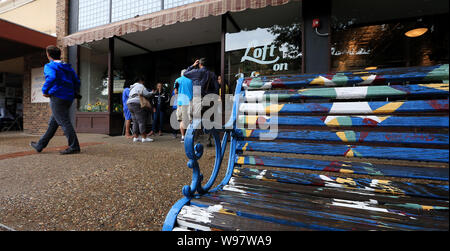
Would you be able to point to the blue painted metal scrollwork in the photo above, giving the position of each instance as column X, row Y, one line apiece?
column 194, row 151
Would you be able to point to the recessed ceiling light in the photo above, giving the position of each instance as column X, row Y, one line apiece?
column 416, row 32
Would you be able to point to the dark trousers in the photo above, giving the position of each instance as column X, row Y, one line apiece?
column 158, row 119
column 60, row 117
column 139, row 117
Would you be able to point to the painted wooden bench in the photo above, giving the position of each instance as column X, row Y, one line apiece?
column 361, row 150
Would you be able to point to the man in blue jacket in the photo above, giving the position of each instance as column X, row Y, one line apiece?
column 62, row 86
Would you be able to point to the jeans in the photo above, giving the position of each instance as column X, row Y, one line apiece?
column 60, row 117
column 158, row 119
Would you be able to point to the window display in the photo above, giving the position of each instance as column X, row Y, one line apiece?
column 94, row 80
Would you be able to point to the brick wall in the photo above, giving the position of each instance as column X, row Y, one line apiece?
column 35, row 115
column 62, row 25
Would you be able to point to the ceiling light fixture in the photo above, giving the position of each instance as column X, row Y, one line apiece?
column 416, row 32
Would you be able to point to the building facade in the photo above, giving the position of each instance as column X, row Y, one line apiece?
column 26, row 28
column 112, row 41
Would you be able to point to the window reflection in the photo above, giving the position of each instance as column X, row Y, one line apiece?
column 367, row 34
column 262, row 47
column 93, row 76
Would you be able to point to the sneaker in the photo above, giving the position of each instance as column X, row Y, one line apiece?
column 69, row 151
column 35, row 146
column 182, row 139
column 136, row 139
column 147, row 140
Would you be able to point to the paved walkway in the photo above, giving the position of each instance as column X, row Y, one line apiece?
column 113, row 184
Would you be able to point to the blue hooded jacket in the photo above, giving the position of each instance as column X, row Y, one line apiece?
column 61, row 81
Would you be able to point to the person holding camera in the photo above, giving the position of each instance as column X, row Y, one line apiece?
column 204, row 79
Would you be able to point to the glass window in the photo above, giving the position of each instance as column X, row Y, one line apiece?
column 175, row 3
column 94, row 80
column 378, row 34
column 124, row 9
column 268, row 42
column 92, row 13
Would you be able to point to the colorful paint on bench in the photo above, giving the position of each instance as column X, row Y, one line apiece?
column 348, row 107
column 395, row 153
column 349, row 136
column 358, row 92
column 345, row 121
column 347, row 167
column 427, row 73
column 371, row 185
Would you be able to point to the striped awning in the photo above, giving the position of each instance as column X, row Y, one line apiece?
column 167, row 17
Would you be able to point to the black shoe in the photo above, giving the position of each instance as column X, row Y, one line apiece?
column 35, row 146
column 70, row 151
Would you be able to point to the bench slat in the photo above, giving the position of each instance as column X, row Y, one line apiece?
column 270, row 203
column 349, row 136
column 394, row 153
column 418, row 106
column 361, row 211
column 321, row 218
column 372, row 185
column 200, row 216
column 420, row 205
column 358, row 92
column 430, row 73
column 345, row 121
column 347, row 167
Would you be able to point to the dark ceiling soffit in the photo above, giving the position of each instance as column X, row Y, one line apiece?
column 23, row 35
column 133, row 44
column 10, row 49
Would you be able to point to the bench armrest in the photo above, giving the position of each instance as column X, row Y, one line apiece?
column 194, row 152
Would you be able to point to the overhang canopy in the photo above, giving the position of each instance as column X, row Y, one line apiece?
column 167, row 17
column 16, row 40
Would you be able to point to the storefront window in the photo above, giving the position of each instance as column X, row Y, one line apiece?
column 268, row 42
column 94, row 80
column 378, row 36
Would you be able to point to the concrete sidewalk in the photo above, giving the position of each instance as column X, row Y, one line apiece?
column 113, row 184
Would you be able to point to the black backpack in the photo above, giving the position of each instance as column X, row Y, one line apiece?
column 211, row 86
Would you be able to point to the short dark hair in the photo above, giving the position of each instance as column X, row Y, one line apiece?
column 203, row 61
column 139, row 79
column 54, row 52
column 127, row 83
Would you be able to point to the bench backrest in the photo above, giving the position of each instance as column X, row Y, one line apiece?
column 399, row 116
